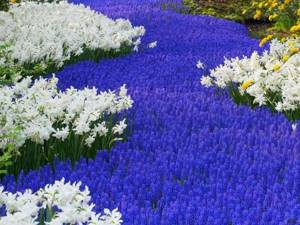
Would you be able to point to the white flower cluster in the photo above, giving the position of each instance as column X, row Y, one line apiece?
column 200, row 64
column 272, row 78
column 42, row 32
column 41, row 111
column 64, row 201
column 152, row 44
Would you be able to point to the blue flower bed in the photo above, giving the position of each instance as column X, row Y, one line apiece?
column 194, row 157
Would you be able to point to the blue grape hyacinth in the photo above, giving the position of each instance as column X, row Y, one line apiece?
column 194, row 157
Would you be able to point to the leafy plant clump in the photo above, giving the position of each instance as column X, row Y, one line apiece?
column 284, row 15
column 265, row 19
column 40, row 38
column 238, row 10
column 270, row 79
column 39, row 123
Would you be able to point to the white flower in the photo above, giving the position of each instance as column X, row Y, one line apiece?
column 152, row 44
column 123, row 91
column 70, row 205
column 260, row 99
column 206, row 81
column 56, row 31
column 120, row 127
column 90, row 140
column 279, row 106
column 113, row 217
column 61, row 133
column 100, row 129
column 294, row 127
column 275, row 72
column 200, row 65
column 43, row 112
column 136, row 48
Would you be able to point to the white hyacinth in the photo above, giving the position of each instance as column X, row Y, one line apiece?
column 69, row 204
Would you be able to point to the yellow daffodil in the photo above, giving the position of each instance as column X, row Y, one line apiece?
column 273, row 5
column 265, row 40
column 285, row 58
column 287, row 2
column 258, row 15
column 294, row 50
column 291, row 43
column 247, row 84
column 274, row 16
column 260, row 5
column 295, row 28
column 282, row 7
column 276, row 67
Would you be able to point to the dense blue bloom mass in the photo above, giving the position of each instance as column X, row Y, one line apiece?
column 194, row 157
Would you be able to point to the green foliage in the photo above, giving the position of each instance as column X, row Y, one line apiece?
column 272, row 97
column 45, row 215
column 284, row 23
column 34, row 155
column 5, row 160
column 7, row 154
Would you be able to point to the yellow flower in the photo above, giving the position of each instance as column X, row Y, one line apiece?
column 291, row 43
column 258, row 15
column 274, row 16
column 295, row 28
column 273, row 5
column 265, row 40
column 270, row 17
column 283, row 39
column 282, row 7
column 276, row 67
column 294, row 50
column 287, row 2
column 285, row 58
column 247, row 84
column 260, row 5
column 13, row 1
